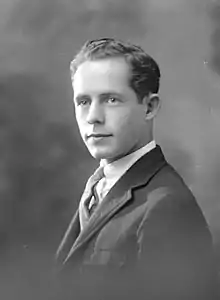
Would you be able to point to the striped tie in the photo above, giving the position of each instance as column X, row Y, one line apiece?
column 92, row 200
column 89, row 199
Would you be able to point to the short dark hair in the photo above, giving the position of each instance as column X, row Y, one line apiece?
column 145, row 72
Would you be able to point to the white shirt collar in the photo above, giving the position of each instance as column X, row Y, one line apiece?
column 114, row 170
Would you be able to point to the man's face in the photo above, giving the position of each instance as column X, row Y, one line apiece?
column 111, row 121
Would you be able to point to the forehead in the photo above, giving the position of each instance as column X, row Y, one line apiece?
column 101, row 75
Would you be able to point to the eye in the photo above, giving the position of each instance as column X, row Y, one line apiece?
column 112, row 100
column 82, row 101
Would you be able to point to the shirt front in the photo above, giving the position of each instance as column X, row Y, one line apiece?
column 114, row 171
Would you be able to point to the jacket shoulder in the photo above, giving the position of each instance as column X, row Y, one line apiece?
column 168, row 197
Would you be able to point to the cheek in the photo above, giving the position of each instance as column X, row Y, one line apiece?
column 132, row 129
column 78, row 115
column 81, row 128
column 128, row 122
column 120, row 117
column 124, row 129
column 80, row 120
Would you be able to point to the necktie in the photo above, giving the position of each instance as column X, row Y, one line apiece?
column 89, row 195
column 92, row 199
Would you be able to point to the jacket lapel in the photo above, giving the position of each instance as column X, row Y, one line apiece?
column 99, row 218
column 137, row 176
column 69, row 238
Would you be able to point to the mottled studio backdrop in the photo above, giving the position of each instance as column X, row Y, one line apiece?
column 42, row 159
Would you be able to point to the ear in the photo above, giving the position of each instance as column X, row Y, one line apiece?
column 152, row 105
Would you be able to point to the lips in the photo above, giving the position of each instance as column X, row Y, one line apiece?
column 98, row 135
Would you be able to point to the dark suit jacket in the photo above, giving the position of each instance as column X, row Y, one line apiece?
column 147, row 240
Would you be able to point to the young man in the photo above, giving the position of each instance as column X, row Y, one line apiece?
column 138, row 232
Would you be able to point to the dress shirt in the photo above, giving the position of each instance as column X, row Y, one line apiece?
column 113, row 171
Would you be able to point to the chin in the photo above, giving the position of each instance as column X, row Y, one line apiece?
column 107, row 155
column 99, row 156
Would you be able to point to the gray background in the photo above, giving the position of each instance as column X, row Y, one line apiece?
column 43, row 163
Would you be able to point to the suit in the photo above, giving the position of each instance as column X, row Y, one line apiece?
column 148, row 239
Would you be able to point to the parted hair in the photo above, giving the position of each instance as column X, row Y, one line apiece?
column 145, row 72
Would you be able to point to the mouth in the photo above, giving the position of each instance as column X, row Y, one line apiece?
column 98, row 135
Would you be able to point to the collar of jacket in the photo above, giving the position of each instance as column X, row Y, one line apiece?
column 136, row 177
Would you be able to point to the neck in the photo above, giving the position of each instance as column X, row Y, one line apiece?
column 111, row 160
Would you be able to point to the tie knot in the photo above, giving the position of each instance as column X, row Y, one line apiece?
column 92, row 181
column 98, row 175
column 95, row 178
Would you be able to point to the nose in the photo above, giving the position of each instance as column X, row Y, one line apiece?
column 95, row 113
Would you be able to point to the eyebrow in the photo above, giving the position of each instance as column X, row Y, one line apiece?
column 81, row 96
column 110, row 94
